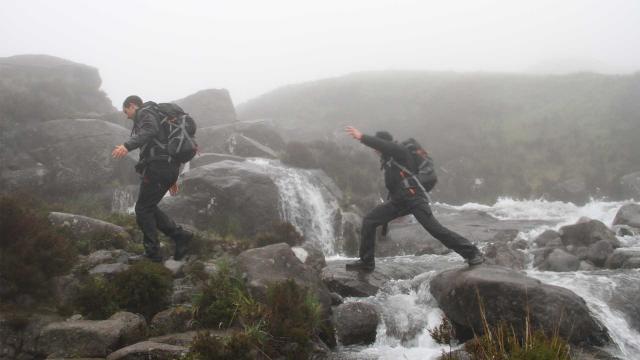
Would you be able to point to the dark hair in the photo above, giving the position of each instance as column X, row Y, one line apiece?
column 132, row 99
column 384, row 135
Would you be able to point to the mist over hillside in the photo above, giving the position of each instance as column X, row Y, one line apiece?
column 565, row 137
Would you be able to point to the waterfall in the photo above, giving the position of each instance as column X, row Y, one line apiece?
column 306, row 201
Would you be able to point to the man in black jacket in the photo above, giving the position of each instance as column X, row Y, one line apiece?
column 159, row 174
column 402, row 201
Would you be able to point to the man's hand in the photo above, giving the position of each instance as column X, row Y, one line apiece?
column 173, row 190
column 355, row 133
column 119, row 152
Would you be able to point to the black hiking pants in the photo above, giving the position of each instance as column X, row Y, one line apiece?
column 157, row 178
column 419, row 207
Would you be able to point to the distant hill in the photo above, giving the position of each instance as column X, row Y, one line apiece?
column 562, row 136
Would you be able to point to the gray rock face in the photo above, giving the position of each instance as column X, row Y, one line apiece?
column 85, row 338
column 277, row 263
column 500, row 251
column 209, row 107
column 105, row 257
column 228, row 196
column 262, row 131
column 41, row 87
column 310, row 256
column 548, row 238
column 356, row 323
column 506, row 295
column 241, row 145
column 623, row 258
column 598, row 253
column 19, row 336
column 560, row 260
column 83, row 225
column 629, row 214
column 148, row 350
column 67, row 157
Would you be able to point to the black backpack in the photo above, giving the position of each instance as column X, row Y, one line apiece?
column 425, row 173
column 179, row 131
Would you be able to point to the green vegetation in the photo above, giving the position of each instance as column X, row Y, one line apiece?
column 522, row 134
column 283, row 326
column 32, row 251
column 144, row 289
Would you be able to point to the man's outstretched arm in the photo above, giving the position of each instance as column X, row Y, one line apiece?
column 388, row 148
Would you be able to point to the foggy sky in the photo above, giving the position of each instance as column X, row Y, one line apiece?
column 165, row 50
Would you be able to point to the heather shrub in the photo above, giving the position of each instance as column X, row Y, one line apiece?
column 144, row 288
column 216, row 306
column 32, row 251
column 96, row 298
column 206, row 346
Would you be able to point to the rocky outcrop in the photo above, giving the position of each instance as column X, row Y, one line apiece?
column 587, row 232
column 502, row 250
column 209, row 107
column 40, row 87
column 149, row 350
column 356, row 323
column 67, row 157
column 560, row 260
column 228, row 197
column 85, row 338
column 310, row 256
column 276, row 263
column 628, row 214
column 82, row 225
column 509, row 296
column 241, row 145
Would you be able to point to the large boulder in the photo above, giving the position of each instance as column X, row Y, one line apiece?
column 170, row 321
column 560, row 260
column 277, row 263
column 213, row 139
column 40, row 87
column 501, row 250
column 356, row 323
column 509, row 296
column 241, row 145
column 228, row 197
column 210, row 158
column 586, row 233
column 67, row 158
column 149, row 350
column 262, row 131
column 86, row 338
column 209, row 107
column 628, row 214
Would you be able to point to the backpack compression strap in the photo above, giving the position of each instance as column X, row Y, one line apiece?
column 413, row 176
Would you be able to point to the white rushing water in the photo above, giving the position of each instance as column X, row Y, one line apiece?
column 305, row 202
column 408, row 309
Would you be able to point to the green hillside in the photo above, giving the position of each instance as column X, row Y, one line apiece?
column 491, row 134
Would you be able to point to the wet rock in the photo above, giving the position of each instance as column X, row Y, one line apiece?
column 173, row 320
column 148, row 350
column 241, row 145
column 598, row 253
column 508, row 296
column 628, row 214
column 176, row 267
column 549, row 238
column 227, row 196
column 276, row 263
column 212, row 139
column 625, row 230
column 86, row 338
column 622, row 258
column 210, row 158
column 363, row 284
column 560, row 260
column 503, row 255
column 356, row 323
column 82, row 225
column 586, row 266
column 310, row 256
column 105, row 257
column 263, row 131
column 587, row 232
column 182, row 339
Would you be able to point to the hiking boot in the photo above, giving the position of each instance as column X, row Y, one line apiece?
column 183, row 241
column 360, row 265
column 157, row 258
column 477, row 259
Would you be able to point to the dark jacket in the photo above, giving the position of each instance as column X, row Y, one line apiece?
column 392, row 174
column 146, row 128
